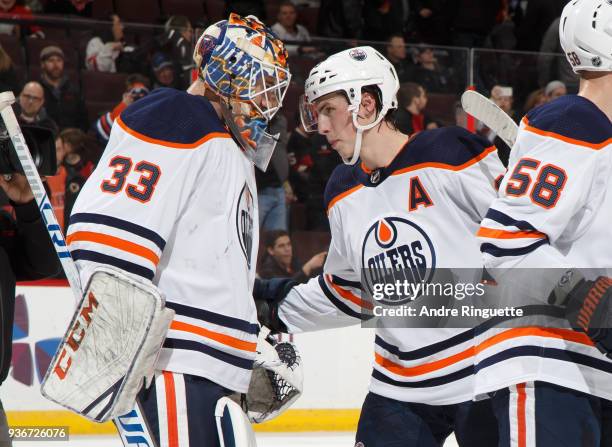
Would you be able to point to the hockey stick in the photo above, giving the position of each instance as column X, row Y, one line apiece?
column 486, row 111
column 132, row 427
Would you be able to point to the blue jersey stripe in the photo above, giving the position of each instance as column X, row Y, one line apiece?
column 120, row 224
column 192, row 345
column 434, row 381
column 87, row 255
column 498, row 252
column 508, row 221
column 339, row 304
column 215, row 318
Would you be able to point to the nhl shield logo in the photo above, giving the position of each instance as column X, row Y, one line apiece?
column 244, row 222
column 358, row 54
column 396, row 249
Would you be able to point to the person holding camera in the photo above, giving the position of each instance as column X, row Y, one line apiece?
column 26, row 253
column 136, row 87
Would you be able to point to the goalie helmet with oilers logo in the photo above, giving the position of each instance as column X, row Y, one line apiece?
column 349, row 71
column 244, row 64
column 585, row 32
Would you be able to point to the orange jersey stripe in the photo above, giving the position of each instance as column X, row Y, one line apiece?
column 520, row 410
column 557, row 136
column 347, row 295
column 114, row 242
column 171, row 409
column 221, row 338
column 171, row 144
column 460, row 167
column 504, row 234
column 342, row 196
column 411, row 371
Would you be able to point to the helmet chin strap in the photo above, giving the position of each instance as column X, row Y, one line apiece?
column 359, row 136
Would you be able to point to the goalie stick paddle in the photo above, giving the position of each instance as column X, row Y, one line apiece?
column 486, row 111
column 132, row 427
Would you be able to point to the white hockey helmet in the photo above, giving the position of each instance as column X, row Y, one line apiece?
column 349, row 71
column 585, row 31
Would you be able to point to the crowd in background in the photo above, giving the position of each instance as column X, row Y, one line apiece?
column 75, row 80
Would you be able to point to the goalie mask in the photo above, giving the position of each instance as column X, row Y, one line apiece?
column 245, row 64
column 348, row 72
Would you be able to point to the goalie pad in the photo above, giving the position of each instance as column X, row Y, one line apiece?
column 110, row 347
column 277, row 379
column 233, row 427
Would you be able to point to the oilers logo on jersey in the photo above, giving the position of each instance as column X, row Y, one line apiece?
column 396, row 249
column 244, row 222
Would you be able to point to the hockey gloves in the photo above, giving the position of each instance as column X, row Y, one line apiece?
column 589, row 310
column 268, row 294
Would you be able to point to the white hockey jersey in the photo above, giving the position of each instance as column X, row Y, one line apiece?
column 173, row 201
column 424, row 208
column 554, row 211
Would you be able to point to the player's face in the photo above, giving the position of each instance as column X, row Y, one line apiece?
column 336, row 123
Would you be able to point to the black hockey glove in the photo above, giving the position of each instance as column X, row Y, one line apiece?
column 589, row 310
column 268, row 294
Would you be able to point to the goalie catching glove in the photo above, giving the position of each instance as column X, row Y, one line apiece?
column 110, row 348
column 277, row 379
column 588, row 307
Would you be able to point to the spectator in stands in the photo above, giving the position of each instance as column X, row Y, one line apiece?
column 430, row 74
column 279, row 262
column 177, row 42
column 472, row 21
column 30, row 107
column 77, row 154
column 538, row 17
column 396, row 53
column 432, row 21
column 273, row 189
column 8, row 76
column 554, row 89
column 136, row 87
column 381, row 18
column 63, row 99
column 13, row 8
column 287, row 29
column 410, row 118
column 163, row 71
column 340, row 19
column 534, row 99
column 102, row 51
column 82, row 8
column 555, row 66
column 311, row 161
column 246, row 7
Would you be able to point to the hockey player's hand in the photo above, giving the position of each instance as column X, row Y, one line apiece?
column 589, row 310
column 268, row 294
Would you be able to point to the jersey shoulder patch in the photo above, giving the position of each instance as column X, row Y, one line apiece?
column 172, row 118
column 448, row 147
column 342, row 180
column 573, row 119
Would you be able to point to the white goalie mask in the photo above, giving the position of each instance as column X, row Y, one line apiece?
column 348, row 72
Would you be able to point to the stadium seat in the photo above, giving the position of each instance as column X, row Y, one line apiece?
column 103, row 87
column 441, row 107
column 306, row 244
column 101, row 9
column 297, row 216
column 290, row 103
column 194, row 10
column 14, row 49
column 308, row 17
column 215, row 10
column 97, row 108
column 138, row 12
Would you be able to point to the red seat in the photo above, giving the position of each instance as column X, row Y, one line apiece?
column 96, row 108
column 290, row 102
column 308, row 17
column 215, row 10
column 138, row 12
column 101, row 9
column 194, row 10
column 441, row 107
column 306, row 244
column 103, row 87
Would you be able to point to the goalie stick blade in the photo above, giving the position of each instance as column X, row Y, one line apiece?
column 486, row 111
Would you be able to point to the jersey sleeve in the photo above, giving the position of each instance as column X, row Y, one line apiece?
column 332, row 299
column 553, row 184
